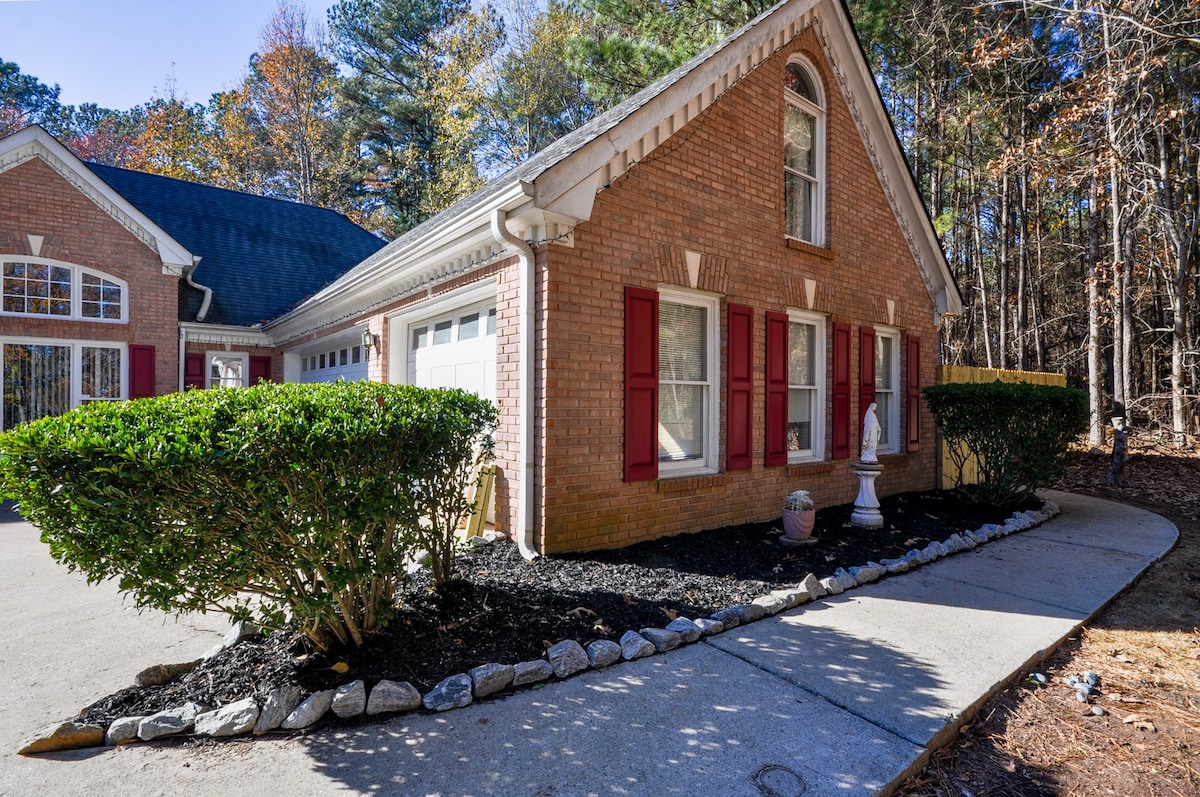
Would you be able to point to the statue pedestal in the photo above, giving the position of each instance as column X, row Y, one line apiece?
column 866, row 507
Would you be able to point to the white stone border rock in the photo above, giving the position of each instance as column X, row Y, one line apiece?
column 287, row 710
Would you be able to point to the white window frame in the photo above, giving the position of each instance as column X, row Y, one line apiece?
column 77, row 273
column 891, row 418
column 816, row 110
column 710, row 436
column 230, row 355
column 817, row 434
column 77, row 346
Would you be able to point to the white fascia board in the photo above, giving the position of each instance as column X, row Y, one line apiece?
column 35, row 142
column 361, row 288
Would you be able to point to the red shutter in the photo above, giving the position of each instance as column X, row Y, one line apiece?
column 841, row 391
column 739, row 446
column 641, row 384
column 193, row 371
column 141, row 371
column 777, row 389
column 260, row 370
column 866, row 372
column 913, row 404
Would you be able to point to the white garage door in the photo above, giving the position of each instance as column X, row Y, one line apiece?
column 455, row 350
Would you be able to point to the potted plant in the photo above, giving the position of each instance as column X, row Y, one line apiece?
column 799, row 514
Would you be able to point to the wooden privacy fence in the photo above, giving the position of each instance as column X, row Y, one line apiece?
column 959, row 374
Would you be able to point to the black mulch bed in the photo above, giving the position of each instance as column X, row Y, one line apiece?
column 507, row 610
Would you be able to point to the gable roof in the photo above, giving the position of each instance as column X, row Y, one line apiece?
column 545, row 196
column 34, row 142
column 260, row 256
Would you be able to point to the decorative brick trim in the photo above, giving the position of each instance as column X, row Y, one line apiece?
column 692, row 485
column 714, row 274
column 671, row 266
column 825, row 298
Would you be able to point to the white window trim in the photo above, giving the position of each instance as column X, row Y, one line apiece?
column 820, row 375
column 77, row 272
column 893, row 334
column 818, row 112
column 208, row 358
column 77, row 346
column 709, row 463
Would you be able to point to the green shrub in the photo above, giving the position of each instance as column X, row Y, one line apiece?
column 278, row 503
column 1017, row 432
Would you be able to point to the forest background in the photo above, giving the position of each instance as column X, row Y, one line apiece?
column 1056, row 144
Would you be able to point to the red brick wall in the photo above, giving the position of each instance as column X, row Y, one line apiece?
column 37, row 201
column 716, row 188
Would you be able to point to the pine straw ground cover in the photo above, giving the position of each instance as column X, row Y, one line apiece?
column 507, row 610
column 1039, row 740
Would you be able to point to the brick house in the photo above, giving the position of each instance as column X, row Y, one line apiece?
column 682, row 308
column 118, row 284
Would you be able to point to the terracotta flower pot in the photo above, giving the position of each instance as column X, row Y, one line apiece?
column 798, row 523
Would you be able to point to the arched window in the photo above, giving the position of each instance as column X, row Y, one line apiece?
column 35, row 286
column 804, row 153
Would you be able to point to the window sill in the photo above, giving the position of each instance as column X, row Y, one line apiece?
column 814, row 467
column 812, row 249
column 691, row 481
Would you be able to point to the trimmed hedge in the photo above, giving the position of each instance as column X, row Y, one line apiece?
column 1018, row 433
column 280, row 503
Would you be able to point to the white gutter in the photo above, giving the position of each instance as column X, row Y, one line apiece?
column 187, row 275
column 525, row 390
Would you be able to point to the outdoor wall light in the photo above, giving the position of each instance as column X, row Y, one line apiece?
column 369, row 341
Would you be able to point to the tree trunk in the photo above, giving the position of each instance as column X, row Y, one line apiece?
column 1002, row 315
column 1095, row 351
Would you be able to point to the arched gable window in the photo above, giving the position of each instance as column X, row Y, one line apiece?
column 804, row 152
column 35, row 286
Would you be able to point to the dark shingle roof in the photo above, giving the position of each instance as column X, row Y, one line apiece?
column 260, row 256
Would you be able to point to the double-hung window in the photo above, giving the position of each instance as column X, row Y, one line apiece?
column 804, row 154
column 887, row 388
column 687, row 381
column 806, row 386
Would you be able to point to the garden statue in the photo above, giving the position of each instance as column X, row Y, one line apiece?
column 870, row 435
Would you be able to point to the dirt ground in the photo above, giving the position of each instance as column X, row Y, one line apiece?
column 1038, row 739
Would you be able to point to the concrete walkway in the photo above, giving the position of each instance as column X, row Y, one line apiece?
column 843, row 696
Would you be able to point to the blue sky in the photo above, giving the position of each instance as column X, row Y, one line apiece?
column 121, row 53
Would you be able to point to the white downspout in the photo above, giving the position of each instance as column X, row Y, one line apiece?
column 525, row 387
column 187, row 275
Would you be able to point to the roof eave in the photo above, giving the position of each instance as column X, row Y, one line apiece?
column 427, row 253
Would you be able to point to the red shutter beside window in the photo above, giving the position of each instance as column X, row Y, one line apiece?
column 260, row 370
column 777, row 389
column 739, row 446
column 841, row 391
column 913, row 403
column 641, row 384
column 193, row 371
column 866, row 372
column 141, row 371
